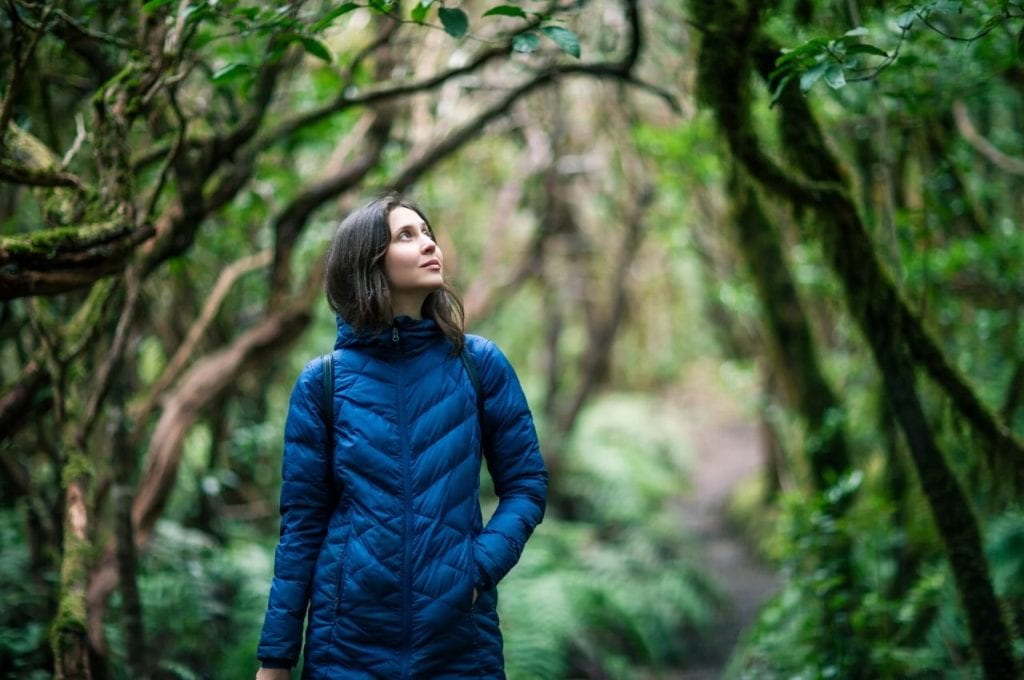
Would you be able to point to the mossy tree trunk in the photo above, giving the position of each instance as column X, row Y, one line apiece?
column 795, row 353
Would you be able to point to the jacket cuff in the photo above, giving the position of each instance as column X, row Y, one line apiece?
column 276, row 663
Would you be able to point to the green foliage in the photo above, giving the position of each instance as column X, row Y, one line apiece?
column 820, row 58
column 24, row 614
column 846, row 58
column 202, row 603
column 915, row 631
column 619, row 589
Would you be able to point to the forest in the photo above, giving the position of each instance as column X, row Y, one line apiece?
column 759, row 265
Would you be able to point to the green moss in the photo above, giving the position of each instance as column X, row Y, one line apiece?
column 77, row 467
column 50, row 242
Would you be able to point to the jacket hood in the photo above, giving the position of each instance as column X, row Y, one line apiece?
column 413, row 334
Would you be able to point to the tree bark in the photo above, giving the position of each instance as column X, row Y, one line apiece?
column 68, row 639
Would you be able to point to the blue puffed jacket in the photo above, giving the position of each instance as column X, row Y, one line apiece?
column 385, row 543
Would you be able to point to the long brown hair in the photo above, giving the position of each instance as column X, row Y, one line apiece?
column 357, row 288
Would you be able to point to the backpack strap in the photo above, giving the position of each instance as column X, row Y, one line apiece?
column 327, row 408
column 474, row 377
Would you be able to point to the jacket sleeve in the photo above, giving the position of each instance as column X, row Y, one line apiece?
column 515, row 464
column 305, row 512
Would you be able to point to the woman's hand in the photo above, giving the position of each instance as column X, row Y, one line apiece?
column 274, row 674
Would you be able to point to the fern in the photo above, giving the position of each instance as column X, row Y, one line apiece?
column 617, row 591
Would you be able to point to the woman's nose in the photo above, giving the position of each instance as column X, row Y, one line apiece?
column 428, row 245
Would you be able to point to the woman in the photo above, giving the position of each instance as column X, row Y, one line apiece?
column 381, row 529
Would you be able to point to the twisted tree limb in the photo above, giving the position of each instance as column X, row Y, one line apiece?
column 1005, row 162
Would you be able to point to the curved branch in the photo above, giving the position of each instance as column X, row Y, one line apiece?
column 456, row 139
column 996, row 157
column 375, row 96
column 228, row 276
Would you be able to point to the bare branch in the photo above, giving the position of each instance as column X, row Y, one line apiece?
column 377, row 95
column 999, row 159
column 227, row 279
column 80, row 135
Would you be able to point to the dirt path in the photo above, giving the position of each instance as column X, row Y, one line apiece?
column 726, row 452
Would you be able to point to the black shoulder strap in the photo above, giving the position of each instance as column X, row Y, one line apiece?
column 327, row 397
column 474, row 377
column 327, row 407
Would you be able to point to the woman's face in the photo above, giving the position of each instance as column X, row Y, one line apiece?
column 413, row 264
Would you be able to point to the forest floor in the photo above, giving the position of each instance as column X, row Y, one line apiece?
column 726, row 452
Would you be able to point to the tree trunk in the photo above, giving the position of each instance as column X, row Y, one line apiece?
column 68, row 638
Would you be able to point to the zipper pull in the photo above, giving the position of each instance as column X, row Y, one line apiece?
column 394, row 335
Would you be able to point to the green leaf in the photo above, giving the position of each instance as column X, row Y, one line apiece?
column 813, row 75
column 419, row 12
column 906, row 20
column 317, row 48
column 780, row 88
column 505, row 11
column 864, row 48
column 854, row 32
column 155, row 4
column 564, row 38
column 526, row 42
column 835, row 76
column 325, row 20
column 230, row 72
column 455, row 21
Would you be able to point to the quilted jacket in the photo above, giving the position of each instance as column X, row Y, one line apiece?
column 385, row 543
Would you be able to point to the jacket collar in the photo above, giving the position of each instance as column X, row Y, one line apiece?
column 412, row 333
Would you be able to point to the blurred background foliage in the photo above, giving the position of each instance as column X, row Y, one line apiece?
column 171, row 175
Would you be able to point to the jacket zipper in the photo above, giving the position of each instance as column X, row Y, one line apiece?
column 407, row 524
